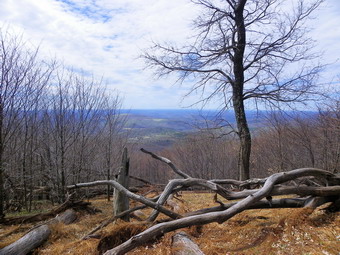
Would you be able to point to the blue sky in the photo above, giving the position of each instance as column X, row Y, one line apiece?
column 105, row 37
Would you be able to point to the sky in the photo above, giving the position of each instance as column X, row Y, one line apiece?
column 106, row 38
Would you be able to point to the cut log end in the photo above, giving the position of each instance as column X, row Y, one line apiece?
column 68, row 217
column 183, row 245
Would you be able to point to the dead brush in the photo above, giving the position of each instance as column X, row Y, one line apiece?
column 118, row 234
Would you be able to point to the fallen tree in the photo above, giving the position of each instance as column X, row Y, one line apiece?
column 324, row 188
column 38, row 235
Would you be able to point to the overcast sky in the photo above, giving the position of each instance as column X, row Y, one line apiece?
column 105, row 37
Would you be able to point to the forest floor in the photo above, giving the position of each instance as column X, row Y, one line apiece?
column 265, row 231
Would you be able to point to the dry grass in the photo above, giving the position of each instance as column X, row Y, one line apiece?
column 274, row 231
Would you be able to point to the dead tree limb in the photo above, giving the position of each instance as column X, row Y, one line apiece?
column 129, row 194
column 189, row 182
column 230, row 195
column 265, row 204
column 328, row 181
column 289, row 190
column 238, row 183
column 220, row 217
column 168, row 162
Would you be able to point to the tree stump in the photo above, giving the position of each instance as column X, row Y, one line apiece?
column 121, row 201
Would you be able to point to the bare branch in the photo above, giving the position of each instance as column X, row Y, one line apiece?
column 168, row 162
column 129, row 194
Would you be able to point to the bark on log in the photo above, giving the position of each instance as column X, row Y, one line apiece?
column 28, row 242
column 183, row 245
column 37, row 236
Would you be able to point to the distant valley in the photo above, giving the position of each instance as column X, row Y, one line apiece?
column 161, row 127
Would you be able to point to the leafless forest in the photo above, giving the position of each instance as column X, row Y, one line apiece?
column 63, row 138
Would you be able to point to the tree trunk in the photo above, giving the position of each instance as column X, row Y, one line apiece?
column 2, row 199
column 238, row 99
column 2, row 191
column 245, row 140
column 121, row 201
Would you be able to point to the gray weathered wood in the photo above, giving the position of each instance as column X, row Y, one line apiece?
column 28, row 242
column 183, row 245
column 121, row 201
column 37, row 236
column 67, row 217
column 168, row 162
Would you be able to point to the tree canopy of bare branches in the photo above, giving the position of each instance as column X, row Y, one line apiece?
column 23, row 77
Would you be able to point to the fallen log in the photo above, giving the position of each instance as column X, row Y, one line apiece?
column 288, row 190
column 37, row 236
column 183, row 245
column 28, row 242
column 311, row 202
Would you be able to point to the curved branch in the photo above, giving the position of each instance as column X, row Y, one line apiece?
column 190, row 182
column 168, row 162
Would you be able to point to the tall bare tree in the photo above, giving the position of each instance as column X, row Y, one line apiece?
column 246, row 50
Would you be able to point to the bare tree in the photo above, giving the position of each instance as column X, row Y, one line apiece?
column 75, row 121
column 246, row 50
column 22, row 79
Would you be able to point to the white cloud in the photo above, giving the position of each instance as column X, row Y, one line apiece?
column 106, row 37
